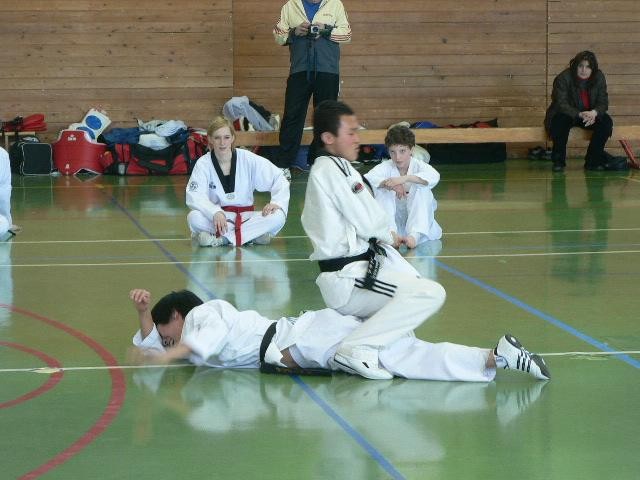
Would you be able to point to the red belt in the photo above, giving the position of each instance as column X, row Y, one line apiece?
column 238, row 220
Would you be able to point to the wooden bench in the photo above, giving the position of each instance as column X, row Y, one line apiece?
column 10, row 137
column 450, row 135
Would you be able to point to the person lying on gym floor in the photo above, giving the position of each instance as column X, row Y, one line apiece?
column 181, row 326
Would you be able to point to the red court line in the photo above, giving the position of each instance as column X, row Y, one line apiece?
column 116, row 399
column 49, row 384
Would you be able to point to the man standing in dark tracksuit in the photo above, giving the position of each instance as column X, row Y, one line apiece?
column 313, row 30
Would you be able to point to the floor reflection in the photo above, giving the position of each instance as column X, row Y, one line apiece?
column 6, row 282
column 81, row 193
column 579, row 220
column 251, row 278
column 412, row 418
column 423, row 258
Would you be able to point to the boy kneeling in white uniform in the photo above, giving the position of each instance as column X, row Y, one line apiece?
column 215, row 334
column 403, row 187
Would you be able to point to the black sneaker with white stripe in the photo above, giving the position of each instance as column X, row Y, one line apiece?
column 517, row 358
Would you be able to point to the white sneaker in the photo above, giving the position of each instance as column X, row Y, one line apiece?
column 206, row 239
column 361, row 361
column 287, row 174
column 517, row 358
column 264, row 239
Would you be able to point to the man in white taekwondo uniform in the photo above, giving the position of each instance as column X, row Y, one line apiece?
column 220, row 193
column 216, row 334
column 7, row 228
column 361, row 273
column 403, row 188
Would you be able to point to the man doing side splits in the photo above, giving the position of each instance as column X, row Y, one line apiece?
column 361, row 273
column 216, row 334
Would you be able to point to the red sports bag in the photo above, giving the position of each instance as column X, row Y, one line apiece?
column 135, row 159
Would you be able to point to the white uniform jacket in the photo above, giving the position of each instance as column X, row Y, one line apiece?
column 339, row 217
column 221, row 336
column 206, row 194
column 388, row 169
column 5, row 191
column 340, row 214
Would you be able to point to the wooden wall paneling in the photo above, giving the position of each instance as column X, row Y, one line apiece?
column 260, row 66
column 148, row 59
column 461, row 62
column 444, row 61
column 449, row 62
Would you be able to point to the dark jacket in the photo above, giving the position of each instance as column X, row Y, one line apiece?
column 565, row 97
column 311, row 55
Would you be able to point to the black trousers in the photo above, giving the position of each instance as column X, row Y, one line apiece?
column 559, row 129
column 300, row 88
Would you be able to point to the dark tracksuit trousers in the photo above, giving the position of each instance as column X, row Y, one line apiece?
column 559, row 129
column 300, row 87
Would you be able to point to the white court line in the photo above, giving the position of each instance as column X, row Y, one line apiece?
column 589, row 354
column 150, row 264
column 542, row 254
column 124, row 240
column 305, row 259
column 102, row 367
column 132, row 240
column 285, row 237
column 519, row 232
column 48, row 370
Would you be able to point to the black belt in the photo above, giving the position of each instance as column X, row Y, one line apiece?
column 370, row 281
column 337, row 264
column 270, row 368
column 266, row 340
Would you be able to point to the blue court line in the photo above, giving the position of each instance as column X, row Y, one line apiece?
column 161, row 247
column 351, row 431
column 538, row 313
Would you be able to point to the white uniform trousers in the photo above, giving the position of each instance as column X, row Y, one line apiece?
column 413, row 216
column 389, row 318
column 253, row 224
column 406, row 357
column 410, row 357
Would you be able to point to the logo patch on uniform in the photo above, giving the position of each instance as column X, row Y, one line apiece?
column 357, row 187
column 193, row 186
column 212, row 186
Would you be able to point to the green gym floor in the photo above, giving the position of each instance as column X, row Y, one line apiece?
column 553, row 259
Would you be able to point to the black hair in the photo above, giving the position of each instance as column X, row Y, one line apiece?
column 400, row 135
column 589, row 57
column 182, row 302
column 326, row 118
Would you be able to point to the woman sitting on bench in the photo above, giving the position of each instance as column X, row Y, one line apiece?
column 579, row 99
